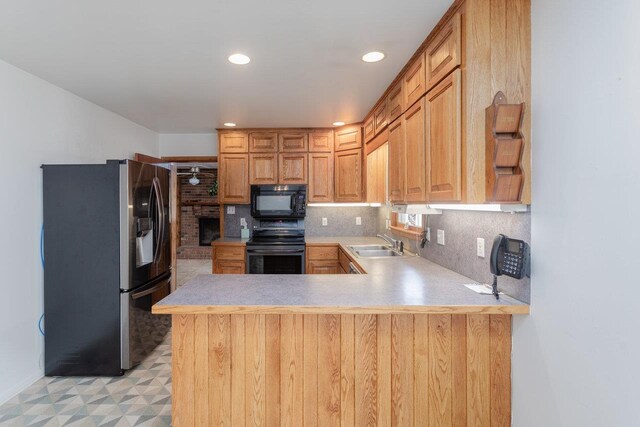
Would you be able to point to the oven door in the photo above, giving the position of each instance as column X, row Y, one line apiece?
column 276, row 259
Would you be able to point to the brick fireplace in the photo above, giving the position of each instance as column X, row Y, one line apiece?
column 197, row 209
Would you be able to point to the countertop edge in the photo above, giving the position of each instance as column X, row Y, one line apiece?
column 286, row 309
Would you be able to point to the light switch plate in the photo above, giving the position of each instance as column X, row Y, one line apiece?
column 231, row 210
column 324, row 222
column 358, row 220
column 441, row 237
column 387, row 224
column 428, row 234
column 480, row 247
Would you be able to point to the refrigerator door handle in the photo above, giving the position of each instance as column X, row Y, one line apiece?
column 140, row 294
column 159, row 218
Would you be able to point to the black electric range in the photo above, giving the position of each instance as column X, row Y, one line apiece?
column 277, row 247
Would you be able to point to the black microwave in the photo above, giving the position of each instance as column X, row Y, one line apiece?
column 278, row 201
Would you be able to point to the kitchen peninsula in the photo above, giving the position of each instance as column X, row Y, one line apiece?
column 404, row 344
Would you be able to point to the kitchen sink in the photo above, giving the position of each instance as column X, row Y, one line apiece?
column 377, row 253
column 356, row 248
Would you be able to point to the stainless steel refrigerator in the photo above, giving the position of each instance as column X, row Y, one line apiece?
column 107, row 260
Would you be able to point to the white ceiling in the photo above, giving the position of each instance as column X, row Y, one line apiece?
column 163, row 63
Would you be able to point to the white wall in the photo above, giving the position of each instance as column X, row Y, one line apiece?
column 41, row 123
column 576, row 356
column 188, row 144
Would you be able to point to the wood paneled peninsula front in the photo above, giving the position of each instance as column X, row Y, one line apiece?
column 406, row 344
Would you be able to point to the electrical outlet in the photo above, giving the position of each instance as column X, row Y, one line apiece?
column 324, row 222
column 428, row 234
column 243, row 222
column 480, row 247
column 231, row 210
column 441, row 237
column 358, row 220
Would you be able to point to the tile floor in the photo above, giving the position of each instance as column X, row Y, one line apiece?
column 142, row 397
column 189, row 268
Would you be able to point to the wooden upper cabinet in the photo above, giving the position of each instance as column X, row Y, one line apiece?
column 444, row 140
column 263, row 168
column 443, row 54
column 377, row 175
column 292, row 168
column 263, row 142
column 348, row 137
column 369, row 128
column 415, row 187
column 413, row 85
column 380, row 117
column 293, row 142
column 321, row 141
column 234, row 178
column 320, row 177
column 348, row 176
column 234, row 142
column 396, row 161
column 395, row 102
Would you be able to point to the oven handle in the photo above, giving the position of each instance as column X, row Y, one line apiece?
column 274, row 252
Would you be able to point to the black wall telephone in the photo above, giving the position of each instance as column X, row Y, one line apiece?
column 510, row 257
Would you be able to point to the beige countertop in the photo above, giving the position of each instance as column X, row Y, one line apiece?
column 408, row 284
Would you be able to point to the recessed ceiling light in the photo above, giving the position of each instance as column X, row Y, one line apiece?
column 338, row 123
column 373, row 57
column 239, row 59
column 230, row 125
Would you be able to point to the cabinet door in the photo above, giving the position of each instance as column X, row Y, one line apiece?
column 444, row 140
column 263, row 168
column 443, row 54
column 377, row 175
column 395, row 102
column 380, row 117
column 320, row 177
column 229, row 267
column 293, row 142
column 234, row 178
column 369, row 128
column 396, row 161
column 323, row 267
column 234, row 142
column 292, row 168
column 263, row 142
column 413, row 82
column 415, row 187
column 348, row 176
column 348, row 137
column 321, row 141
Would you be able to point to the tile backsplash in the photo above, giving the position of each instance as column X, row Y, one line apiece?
column 341, row 221
column 462, row 228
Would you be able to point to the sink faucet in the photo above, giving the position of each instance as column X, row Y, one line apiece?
column 398, row 245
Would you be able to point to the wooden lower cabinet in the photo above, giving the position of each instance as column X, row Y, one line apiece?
column 229, row 258
column 348, row 176
column 390, row 369
column 323, row 267
column 322, row 259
